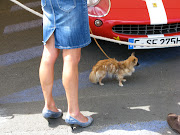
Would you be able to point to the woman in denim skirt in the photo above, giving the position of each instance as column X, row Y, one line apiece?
column 66, row 28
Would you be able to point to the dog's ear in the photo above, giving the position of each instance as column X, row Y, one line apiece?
column 133, row 54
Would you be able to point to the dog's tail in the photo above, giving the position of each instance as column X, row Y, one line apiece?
column 92, row 77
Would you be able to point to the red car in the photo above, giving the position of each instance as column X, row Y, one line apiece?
column 136, row 21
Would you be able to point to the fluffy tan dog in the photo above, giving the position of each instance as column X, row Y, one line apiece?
column 113, row 67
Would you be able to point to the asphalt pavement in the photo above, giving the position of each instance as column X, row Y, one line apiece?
column 140, row 107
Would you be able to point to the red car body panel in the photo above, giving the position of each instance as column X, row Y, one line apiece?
column 132, row 12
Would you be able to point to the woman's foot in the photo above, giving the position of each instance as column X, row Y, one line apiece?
column 48, row 114
column 52, row 108
column 79, row 116
column 84, row 122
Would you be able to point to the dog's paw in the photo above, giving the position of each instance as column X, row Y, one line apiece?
column 120, row 84
column 101, row 84
column 124, row 80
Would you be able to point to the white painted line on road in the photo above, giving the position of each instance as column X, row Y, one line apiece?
column 156, row 127
column 22, row 26
column 20, row 56
column 146, row 108
column 2, row 121
column 27, row 8
column 3, row 117
column 30, row 5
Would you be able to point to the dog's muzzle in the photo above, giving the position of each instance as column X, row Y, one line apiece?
column 137, row 64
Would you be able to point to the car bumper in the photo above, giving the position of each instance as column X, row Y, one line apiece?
column 106, row 29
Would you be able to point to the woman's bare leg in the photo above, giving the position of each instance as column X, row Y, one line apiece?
column 71, row 59
column 46, row 72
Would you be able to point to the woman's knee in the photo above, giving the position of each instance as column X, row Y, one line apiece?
column 50, row 56
column 72, row 56
column 72, row 60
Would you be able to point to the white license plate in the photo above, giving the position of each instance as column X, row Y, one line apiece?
column 153, row 41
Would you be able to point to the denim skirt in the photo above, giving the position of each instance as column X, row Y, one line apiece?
column 68, row 20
